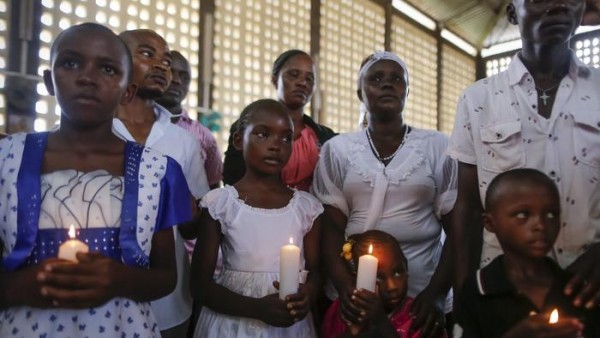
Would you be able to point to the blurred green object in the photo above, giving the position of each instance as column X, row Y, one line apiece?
column 211, row 120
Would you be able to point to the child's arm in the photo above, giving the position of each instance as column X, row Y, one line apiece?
column 334, row 227
column 299, row 303
column 269, row 309
column 93, row 281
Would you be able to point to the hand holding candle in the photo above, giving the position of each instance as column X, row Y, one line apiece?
column 71, row 247
column 367, row 271
column 289, row 269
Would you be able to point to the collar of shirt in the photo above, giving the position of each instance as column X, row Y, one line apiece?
column 162, row 114
column 163, row 117
column 185, row 116
column 517, row 70
column 493, row 280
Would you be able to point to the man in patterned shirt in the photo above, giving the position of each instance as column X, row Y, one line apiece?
column 172, row 99
column 541, row 113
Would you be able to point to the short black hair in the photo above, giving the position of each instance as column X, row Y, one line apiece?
column 99, row 27
column 515, row 177
column 283, row 58
column 246, row 114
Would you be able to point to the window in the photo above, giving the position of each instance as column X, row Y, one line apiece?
column 588, row 49
column 458, row 72
column 249, row 35
column 497, row 65
column 350, row 31
column 419, row 50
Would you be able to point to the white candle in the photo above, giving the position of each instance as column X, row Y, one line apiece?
column 553, row 317
column 68, row 249
column 367, row 271
column 289, row 269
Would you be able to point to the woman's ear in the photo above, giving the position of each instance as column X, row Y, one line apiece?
column 48, row 82
column 129, row 94
column 359, row 94
column 511, row 14
column 274, row 81
column 238, row 141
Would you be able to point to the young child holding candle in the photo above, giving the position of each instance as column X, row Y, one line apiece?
column 251, row 221
column 386, row 311
column 121, row 197
column 514, row 295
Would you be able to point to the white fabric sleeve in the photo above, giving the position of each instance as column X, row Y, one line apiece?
column 329, row 175
column 461, row 145
column 308, row 209
column 194, row 169
column 446, row 179
column 220, row 206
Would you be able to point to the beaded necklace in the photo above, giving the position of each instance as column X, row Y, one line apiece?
column 387, row 158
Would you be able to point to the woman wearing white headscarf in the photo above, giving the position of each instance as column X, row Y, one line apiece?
column 395, row 178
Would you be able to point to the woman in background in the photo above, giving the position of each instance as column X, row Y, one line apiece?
column 293, row 76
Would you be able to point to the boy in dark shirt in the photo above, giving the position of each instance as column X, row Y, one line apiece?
column 514, row 295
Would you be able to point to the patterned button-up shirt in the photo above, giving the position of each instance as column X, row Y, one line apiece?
column 213, row 165
column 498, row 128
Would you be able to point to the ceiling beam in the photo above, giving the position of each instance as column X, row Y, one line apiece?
column 487, row 30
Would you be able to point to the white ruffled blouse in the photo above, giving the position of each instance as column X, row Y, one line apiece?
column 406, row 198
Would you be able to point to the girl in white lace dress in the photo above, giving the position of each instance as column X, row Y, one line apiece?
column 251, row 221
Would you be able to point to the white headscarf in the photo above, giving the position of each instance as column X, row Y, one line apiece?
column 377, row 56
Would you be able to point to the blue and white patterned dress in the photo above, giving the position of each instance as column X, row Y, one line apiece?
column 116, row 216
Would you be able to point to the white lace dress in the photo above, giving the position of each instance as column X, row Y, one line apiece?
column 252, row 239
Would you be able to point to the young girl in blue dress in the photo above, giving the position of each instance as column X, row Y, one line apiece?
column 251, row 221
column 121, row 198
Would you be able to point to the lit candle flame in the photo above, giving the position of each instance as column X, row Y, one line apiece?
column 72, row 232
column 370, row 249
column 553, row 317
column 291, row 240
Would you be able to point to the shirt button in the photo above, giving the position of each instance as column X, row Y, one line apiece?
column 560, row 250
column 533, row 106
column 498, row 135
column 552, row 173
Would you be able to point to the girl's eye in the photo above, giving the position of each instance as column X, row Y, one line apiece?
column 261, row 134
column 167, row 63
column 70, row 64
column 109, row 70
column 551, row 215
column 521, row 215
column 398, row 273
column 146, row 53
column 287, row 139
